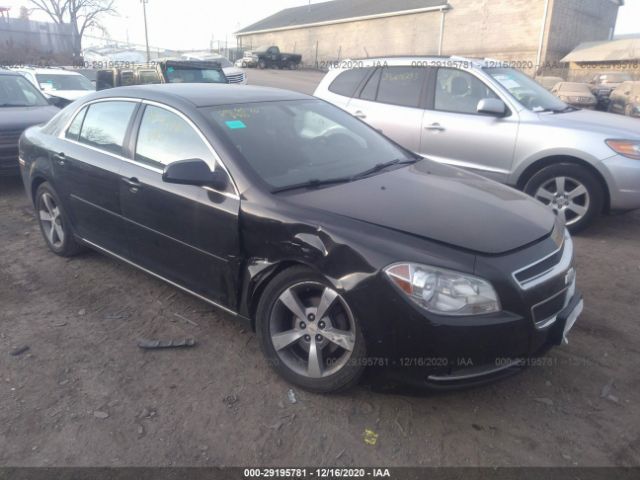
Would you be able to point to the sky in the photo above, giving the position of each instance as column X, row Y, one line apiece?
column 193, row 24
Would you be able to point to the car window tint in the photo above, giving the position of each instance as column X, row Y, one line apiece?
column 164, row 137
column 370, row 90
column 346, row 83
column 74, row 129
column 148, row 77
column 458, row 91
column 401, row 86
column 105, row 125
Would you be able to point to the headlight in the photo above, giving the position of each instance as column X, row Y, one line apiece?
column 627, row 148
column 444, row 292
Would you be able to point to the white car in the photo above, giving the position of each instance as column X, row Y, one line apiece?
column 65, row 86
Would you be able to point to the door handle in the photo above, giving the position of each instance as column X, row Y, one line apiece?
column 436, row 127
column 60, row 158
column 359, row 114
column 134, row 184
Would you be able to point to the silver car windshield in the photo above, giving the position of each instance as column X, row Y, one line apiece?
column 526, row 90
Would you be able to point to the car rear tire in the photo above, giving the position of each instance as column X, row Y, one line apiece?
column 54, row 222
column 571, row 191
column 308, row 333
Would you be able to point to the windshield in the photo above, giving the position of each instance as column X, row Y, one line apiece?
column 575, row 87
column 526, row 90
column 17, row 91
column 194, row 75
column 64, row 82
column 615, row 78
column 294, row 142
column 223, row 61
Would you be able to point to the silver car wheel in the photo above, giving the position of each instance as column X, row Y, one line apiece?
column 312, row 330
column 566, row 196
column 51, row 220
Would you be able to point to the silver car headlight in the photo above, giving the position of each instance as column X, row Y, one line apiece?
column 627, row 148
column 442, row 291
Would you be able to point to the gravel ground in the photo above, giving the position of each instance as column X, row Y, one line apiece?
column 84, row 394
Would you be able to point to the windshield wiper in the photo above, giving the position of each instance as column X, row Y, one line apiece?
column 316, row 183
column 382, row 166
column 13, row 105
column 568, row 108
column 313, row 183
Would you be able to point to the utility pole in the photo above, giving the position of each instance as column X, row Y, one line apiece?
column 146, row 30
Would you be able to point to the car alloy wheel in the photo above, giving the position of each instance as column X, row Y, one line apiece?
column 567, row 197
column 51, row 221
column 312, row 330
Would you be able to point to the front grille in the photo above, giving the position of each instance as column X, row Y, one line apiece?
column 9, row 138
column 547, row 268
column 9, row 150
column 237, row 78
column 545, row 313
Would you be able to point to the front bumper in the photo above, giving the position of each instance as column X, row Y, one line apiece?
column 427, row 350
column 622, row 175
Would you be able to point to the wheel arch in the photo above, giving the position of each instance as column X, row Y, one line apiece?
column 544, row 162
column 258, row 283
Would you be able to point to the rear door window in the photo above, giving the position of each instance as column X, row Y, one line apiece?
column 74, row 129
column 105, row 125
column 402, row 86
column 370, row 90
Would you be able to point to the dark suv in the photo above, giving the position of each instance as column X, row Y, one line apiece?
column 22, row 106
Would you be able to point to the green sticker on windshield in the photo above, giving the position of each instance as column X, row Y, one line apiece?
column 235, row 124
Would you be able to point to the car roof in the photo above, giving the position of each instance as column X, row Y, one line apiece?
column 202, row 94
column 47, row 71
column 9, row 73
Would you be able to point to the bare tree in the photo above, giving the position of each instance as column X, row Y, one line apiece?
column 80, row 14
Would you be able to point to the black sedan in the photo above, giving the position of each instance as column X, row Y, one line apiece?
column 21, row 107
column 342, row 249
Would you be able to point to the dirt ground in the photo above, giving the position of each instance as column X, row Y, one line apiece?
column 84, row 394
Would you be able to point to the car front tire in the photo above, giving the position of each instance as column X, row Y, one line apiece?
column 308, row 333
column 54, row 222
column 571, row 191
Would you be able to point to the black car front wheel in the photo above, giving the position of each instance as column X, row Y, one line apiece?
column 571, row 191
column 308, row 332
column 54, row 223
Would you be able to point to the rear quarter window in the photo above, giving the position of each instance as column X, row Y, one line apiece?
column 348, row 81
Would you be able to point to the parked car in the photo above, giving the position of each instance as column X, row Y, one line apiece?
column 59, row 85
column 576, row 94
column 271, row 57
column 231, row 71
column 549, row 82
column 21, row 106
column 430, row 269
column 602, row 84
column 170, row 71
column 500, row 123
column 626, row 99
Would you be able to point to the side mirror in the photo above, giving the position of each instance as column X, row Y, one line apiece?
column 197, row 173
column 492, row 106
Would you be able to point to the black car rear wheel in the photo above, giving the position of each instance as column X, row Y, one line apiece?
column 308, row 332
column 571, row 191
column 54, row 223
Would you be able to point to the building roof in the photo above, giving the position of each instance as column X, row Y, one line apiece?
column 625, row 49
column 339, row 11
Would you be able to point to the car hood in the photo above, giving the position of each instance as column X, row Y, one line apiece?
column 16, row 118
column 439, row 203
column 618, row 126
column 71, row 95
